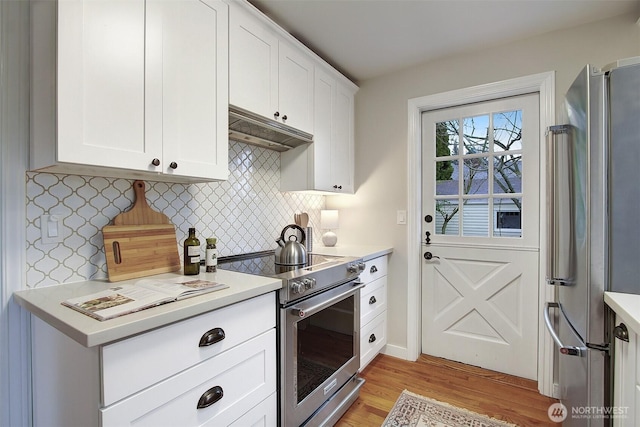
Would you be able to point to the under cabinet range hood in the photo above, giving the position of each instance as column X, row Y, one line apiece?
column 250, row 128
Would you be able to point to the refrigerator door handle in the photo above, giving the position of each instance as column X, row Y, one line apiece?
column 552, row 131
column 564, row 349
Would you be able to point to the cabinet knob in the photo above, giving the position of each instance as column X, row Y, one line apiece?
column 372, row 338
column 373, row 300
column 211, row 337
column 621, row 332
column 276, row 114
column 338, row 187
column 155, row 162
column 373, row 269
column 210, row 397
column 173, row 165
column 284, row 118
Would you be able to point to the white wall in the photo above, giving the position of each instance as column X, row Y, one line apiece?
column 369, row 217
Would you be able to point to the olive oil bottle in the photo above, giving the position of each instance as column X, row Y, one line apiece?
column 192, row 253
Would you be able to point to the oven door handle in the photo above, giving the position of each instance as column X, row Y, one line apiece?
column 303, row 310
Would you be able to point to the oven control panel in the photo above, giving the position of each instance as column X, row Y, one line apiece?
column 300, row 286
column 311, row 280
column 356, row 267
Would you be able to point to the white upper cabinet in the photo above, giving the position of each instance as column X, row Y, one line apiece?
column 141, row 88
column 268, row 75
column 328, row 163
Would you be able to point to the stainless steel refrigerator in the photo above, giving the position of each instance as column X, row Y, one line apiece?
column 593, row 206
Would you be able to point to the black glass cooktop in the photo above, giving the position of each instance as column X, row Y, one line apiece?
column 263, row 263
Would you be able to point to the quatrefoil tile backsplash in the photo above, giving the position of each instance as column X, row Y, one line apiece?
column 246, row 213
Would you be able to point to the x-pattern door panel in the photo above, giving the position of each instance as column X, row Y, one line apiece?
column 480, row 308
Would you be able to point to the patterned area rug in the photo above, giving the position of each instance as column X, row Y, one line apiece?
column 418, row 411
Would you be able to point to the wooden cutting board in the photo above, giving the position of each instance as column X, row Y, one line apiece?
column 141, row 242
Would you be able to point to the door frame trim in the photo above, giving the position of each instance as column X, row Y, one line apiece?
column 544, row 85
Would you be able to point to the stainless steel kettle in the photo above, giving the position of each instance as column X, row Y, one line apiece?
column 291, row 252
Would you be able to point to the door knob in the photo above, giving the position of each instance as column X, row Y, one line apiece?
column 429, row 255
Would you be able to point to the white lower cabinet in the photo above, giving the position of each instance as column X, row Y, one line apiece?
column 373, row 309
column 626, row 394
column 215, row 392
column 218, row 368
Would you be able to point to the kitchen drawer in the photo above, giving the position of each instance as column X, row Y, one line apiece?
column 372, row 339
column 133, row 364
column 373, row 300
column 374, row 269
column 263, row 415
column 245, row 374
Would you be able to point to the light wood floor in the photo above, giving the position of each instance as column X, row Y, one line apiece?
column 512, row 399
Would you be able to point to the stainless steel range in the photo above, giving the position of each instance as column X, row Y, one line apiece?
column 319, row 326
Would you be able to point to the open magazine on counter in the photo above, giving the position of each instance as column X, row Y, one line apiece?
column 128, row 298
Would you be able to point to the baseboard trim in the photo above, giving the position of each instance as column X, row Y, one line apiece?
column 396, row 351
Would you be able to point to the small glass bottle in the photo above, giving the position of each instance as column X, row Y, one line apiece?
column 191, row 253
column 211, row 260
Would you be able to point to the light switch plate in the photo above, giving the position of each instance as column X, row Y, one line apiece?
column 401, row 217
column 51, row 228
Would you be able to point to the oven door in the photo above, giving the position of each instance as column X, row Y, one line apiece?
column 320, row 349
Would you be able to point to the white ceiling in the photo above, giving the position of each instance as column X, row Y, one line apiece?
column 369, row 38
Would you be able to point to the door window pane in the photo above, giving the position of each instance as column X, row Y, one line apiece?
column 475, row 214
column 476, row 134
column 447, row 217
column 446, row 178
column 447, row 138
column 507, row 131
column 476, row 175
column 507, row 174
column 507, row 217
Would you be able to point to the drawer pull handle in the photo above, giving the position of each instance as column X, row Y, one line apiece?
column 373, row 269
column 373, row 300
column 210, row 397
column 372, row 338
column 211, row 337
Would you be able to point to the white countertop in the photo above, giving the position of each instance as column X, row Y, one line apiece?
column 46, row 304
column 361, row 251
column 626, row 306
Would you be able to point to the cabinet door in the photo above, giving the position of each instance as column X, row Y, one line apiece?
column 295, row 86
column 253, row 64
column 323, row 113
column 193, row 75
column 626, row 394
column 101, row 85
column 342, row 150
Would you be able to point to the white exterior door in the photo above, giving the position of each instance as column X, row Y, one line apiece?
column 481, row 220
